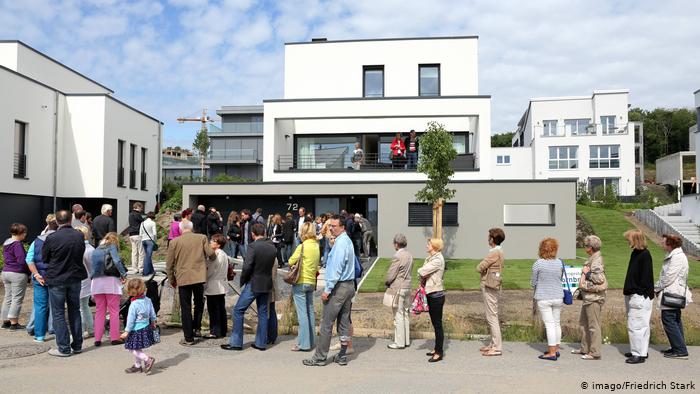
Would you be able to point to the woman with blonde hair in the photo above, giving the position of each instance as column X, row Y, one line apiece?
column 108, row 274
column 638, row 291
column 431, row 274
column 308, row 255
column 547, row 273
column 592, row 285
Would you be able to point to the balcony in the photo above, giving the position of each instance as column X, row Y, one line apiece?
column 341, row 162
column 20, row 166
column 592, row 129
column 233, row 156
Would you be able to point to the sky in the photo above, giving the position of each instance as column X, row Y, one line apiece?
column 171, row 58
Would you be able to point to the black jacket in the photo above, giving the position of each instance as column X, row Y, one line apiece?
column 101, row 226
column 214, row 224
column 288, row 230
column 640, row 274
column 407, row 142
column 257, row 268
column 199, row 222
column 63, row 254
column 234, row 233
column 135, row 220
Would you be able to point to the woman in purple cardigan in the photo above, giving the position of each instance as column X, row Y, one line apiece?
column 14, row 276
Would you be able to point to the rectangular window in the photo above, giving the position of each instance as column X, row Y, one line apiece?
column 20, row 159
column 429, row 80
column 597, row 187
column 605, row 156
column 528, row 215
column 132, row 166
column 421, row 214
column 144, row 155
column 120, row 163
column 373, row 81
column 503, row 160
column 578, row 126
column 549, row 128
column 608, row 124
column 563, row 157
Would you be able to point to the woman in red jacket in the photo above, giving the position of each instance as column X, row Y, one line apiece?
column 398, row 152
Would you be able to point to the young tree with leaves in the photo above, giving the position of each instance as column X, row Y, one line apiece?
column 436, row 155
column 201, row 145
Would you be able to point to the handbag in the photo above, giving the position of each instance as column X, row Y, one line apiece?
column 110, row 267
column 568, row 297
column 391, row 295
column 230, row 273
column 676, row 301
column 155, row 244
column 420, row 302
column 292, row 277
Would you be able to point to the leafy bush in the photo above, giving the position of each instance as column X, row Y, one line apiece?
column 226, row 178
column 583, row 197
column 174, row 203
column 609, row 198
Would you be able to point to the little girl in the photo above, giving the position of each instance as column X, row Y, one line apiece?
column 140, row 324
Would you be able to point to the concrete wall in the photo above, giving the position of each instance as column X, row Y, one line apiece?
column 481, row 206
column 335, row 69
column 669, row 169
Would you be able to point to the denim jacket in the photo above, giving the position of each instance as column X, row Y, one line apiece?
column 141, row 314
column 98, row 261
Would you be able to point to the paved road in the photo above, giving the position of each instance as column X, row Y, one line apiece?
column 373, row 369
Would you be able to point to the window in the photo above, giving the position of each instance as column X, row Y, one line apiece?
column 503, row 160
column 421, row 214
column 597, row 187
column 242, row 123
column 549, row 128
column 608, row 124
column 528, row 214
column 605, row 156
column 20, row 157
column 132, row 166
column 144, row 155
column 563, row 157
column 120, row 163
column 373, row 81
column 325, row 152
column 429, row 80
column 578, row 126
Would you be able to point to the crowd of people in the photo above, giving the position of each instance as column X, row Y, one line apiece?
column 73, row 260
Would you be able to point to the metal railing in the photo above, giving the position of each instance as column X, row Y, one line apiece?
column 562, row 130
column 233, row 154
column 20, row 167
column 370, row 162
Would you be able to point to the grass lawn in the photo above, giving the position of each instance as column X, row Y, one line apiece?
column 607, row 224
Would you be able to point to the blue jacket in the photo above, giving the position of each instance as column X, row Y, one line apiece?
column 141, row 314
column 98, row 261
column 341, row 262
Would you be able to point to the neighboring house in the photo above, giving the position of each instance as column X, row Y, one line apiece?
column 183, row 169
column 584, row 137
column 236, row 148
column 70, row 141
column 339, row 93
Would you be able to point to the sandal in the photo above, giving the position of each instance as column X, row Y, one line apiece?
column 296, row 348
column 577, row 351
column 589, row 357
column 550, row 358
column 485, row 348
column 492, row 352
column 210, row 336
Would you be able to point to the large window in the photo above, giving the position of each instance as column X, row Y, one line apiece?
column 578, row 126
column 429, row 80
column 242, row 123
column 605, row 156
column 20, row 159
column 373, row 81
column 421, row 214
column 144, row 155
column 120, row 163
column 529, row 214
column 132, row 166
column 563, row 157
column 549, row 128
column 608, row 124
column 597, row 187
column 324, row 152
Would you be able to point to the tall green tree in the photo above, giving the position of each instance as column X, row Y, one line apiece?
column 201, row 145
column 436, row 155
column 502, row 140
column 665, row 130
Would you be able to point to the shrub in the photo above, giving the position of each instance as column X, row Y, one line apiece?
column 174, row 203
column 607, row 197
column 583, row 197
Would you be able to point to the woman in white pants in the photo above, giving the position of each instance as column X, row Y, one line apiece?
column 398, row 281
column 638, row 291
column 546, row 279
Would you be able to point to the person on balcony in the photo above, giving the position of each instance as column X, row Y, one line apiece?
column 411, row 143
column 358, row 157
column 398, row 152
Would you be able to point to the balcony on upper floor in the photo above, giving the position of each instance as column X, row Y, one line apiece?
column 233, row 156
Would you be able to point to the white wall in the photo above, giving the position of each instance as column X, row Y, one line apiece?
column 520, row 166
column 334, row 69
column 669, row 169
column 8, row 55
column 697, row 135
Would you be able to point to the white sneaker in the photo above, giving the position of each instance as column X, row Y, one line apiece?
column 335, row 347
column 57, row 353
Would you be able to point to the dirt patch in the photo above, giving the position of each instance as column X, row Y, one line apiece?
column 22, row 350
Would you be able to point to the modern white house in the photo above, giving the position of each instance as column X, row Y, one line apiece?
column 339, row 94
column 584, row 137
column 70, row 141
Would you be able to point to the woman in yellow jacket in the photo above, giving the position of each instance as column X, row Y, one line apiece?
column 303, row 290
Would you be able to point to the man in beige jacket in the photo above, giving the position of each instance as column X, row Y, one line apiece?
column 186, row 269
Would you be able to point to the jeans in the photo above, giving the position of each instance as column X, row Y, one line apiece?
column 148, row 257
column 287, row 252
column 280, row 258
column 435, row 305
column 491, row 311
column 243, row 249
column 304, row 302
column 15, row 285
column 402, row 332
column 104, row 303
column 187, row 295
column 272, row 327
column 357, row 245
column 42, row 312
column 326, row 251
column 591, row 336
column 137, row 253
column 412, row 160
column 550, row 311
column 62, row 296
column 218, row 324
column 337, row 308
column 671, row 319
column 244, row 301
column 86, row 315
column 638, row 315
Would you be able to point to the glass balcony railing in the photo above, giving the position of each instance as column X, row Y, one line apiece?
column 233, row 154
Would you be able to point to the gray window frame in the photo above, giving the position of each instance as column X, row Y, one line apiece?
column 376, row 67
column 439, row 79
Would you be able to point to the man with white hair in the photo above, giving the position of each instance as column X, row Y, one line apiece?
column 199, row 220
column 75, row 222
column 103, row 224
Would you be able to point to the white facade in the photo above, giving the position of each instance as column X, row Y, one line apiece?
column 583, row 137
column 511, row 163
column 71, row 128
column 696, row 134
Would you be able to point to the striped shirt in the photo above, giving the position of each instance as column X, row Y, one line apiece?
column 546, row 279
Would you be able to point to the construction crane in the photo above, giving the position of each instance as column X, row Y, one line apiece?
column 204, row 119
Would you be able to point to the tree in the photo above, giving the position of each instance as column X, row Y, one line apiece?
column 201, row 145
column 665, row 130
column 436, row 155
column 503, row 140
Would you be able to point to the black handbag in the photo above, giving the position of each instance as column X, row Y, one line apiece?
column 110, row 266
column 671, row 300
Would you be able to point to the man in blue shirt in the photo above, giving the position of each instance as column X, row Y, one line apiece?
column 337, row 295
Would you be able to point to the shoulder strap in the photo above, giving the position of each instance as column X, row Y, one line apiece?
column 143, row 224
column 566, row 279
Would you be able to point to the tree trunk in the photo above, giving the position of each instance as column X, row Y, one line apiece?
column 437, row 218
column 201, row 164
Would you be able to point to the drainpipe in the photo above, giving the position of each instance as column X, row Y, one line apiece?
column 159, row 153
column 55, row 151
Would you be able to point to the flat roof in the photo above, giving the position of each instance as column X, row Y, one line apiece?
column 112, row 98
column 259, row 183
column 481, row 96
column 326, row 41
column 55, row 61
column 595, row 93
column 697, row 91
column 239, row 109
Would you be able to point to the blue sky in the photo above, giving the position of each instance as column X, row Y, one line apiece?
column 174, row 57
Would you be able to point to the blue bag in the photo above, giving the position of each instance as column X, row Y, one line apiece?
column 568, row 297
